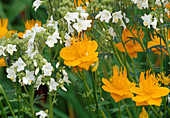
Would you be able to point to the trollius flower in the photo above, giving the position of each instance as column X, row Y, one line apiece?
column 119, row 86
column 131, row 46
column 81, row 53
column 149, row 91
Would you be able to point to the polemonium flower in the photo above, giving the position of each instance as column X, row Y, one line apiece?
column 104, row 16
column 58, row 64
column 2, row 49
column 51, row 41
column 61, row 81
column 11, row 73
column 142, row 4
column 126, row 19
column 70, row 29
column 47, row 69
column 38, row 29
column 41, row 114
column 38, row 82
column 147, row 20
column 11, row 48
column 27, row 80
column 67, row 42
column 52, row 85
column 82, row 25
column 65, row 78
column 71, row 17
column 116, row 16
column 158, row 2
column 84, row 15
column 135, row 1
column 37, row 71
column 154, row 23
column 19, row 64
column 111, row 32
column 36, row 4
column 80, row 9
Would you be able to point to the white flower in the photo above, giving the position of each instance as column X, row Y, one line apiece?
column 2, row 49
column 52, row 23
column 135, row 1
column 11, row 73
column 37, row 71
column 154, row 23
column 38, row 82
column 111, row 32
column 116, row 16
column 82, row 25
column 27, row 80
column 51, row 41
column 47, row 69
column 70, row 29
column 80, row 9
column 37, row 29
column 58, row 64
column 123, row 24
column 84, row 15
column 147, row 20
column 67, row 42
column 158, row 2
column 126, row 19
column 161, row 18
column 41, row 114
column 104, row 16
column 36, row 4
column 52, row 85
column 61, row 81
column 71, row 17
column 65, row 78
column 19, row 64
column 167, row 11
column 142, row 4
column 56, row 34
column 11, row 48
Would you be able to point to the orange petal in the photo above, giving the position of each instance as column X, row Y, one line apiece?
column 72, row 62
column 116, row 97
column 68, row 53
column 162, row 91
column 140, row 98
column 154, row 101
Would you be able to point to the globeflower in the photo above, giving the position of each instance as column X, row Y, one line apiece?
column 3, row 28
column 28, row 25
column 81, row 53
column 131, row 46
column 149, row 91
column 118, row 85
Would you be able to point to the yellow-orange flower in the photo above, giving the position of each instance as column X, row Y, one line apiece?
column 81, row 53
column 143, row 114
column 164, row 79
column 149, row 91
column 119, row 86
column 131, row 46
column 2, row 62
column 28, row 25
column 79, row 2
column 156, row 41
column 3, row 29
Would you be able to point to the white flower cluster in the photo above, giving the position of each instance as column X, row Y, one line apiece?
column 52, row 39
column 141, row 3
column 36, row 4
column 147, row 21
column 79, row 21
column 116, row 17
column 9, row 48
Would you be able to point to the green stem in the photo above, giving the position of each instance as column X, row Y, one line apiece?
column 149, row 107
column 31, row 90
column 18, row 99
column 119, row 110
column 164, row 106
column 95, row 92
column 128, row 111
column 7, row 101
column 3, row 111
column 154, row 111
column 51, row 105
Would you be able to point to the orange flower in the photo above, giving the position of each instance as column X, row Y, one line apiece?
column 28, row 25
column 81, row 53
column 131, row 46
column 3, row 29
column 79, row 2
column 164, row 79
column 119, row 86
column 143, row 114
column 2, row 62
column 155, row 42
column 149, row 91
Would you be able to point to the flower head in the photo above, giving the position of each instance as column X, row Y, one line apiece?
column 147, row 20
column 29, row 78
column 11, row 48
column 41, row 114
column 149, row 91
column 52, row 85
column 104, row 16
column 119, row 86
column 132, row 46
column 19, row 64
column 164, row 79
column 143, row 114
column 3, row 29
column 36, row 4
column 81, row 53
column 28, row 25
